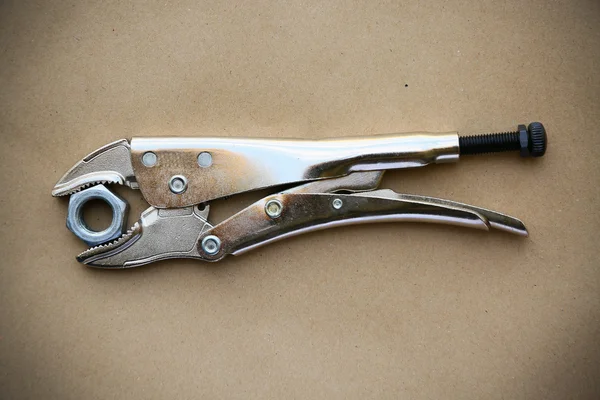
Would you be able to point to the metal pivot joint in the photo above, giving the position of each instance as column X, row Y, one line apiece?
column 331, row 183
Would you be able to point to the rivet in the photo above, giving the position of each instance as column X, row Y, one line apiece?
column 211, row 245
column 273, row 208
column 178, row 184
column 337, row 203
column 204, row 159
column 149, row 159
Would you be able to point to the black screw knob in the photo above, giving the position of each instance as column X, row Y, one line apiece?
column 531, row 141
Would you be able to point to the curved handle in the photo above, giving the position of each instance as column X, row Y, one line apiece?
column 287, row 214
column 236, row 165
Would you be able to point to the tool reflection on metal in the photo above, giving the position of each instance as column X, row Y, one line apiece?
column 335, row 182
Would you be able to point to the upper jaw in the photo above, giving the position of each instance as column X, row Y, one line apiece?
column 109, row 164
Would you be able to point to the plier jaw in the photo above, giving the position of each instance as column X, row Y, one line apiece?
column 333, row 183
column 109, row 164
column 159, row 234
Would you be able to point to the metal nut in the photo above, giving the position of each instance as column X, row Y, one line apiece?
column 524, row 140
column 77, row 225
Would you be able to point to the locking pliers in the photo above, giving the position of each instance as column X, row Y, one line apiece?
column 328, row 183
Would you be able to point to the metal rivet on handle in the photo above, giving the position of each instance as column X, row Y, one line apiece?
column 178, row 184
column 273, row 208
column 211, row 245
column 204, row 159
column 337, row 203
column 149, row 159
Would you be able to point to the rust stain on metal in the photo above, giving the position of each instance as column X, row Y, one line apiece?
column 228, row 174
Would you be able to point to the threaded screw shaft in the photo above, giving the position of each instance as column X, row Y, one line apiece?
column 530, row 141
column 489, row 143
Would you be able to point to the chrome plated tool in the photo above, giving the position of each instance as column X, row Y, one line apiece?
column 335, row 182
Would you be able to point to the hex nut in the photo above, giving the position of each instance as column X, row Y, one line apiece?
column 77, row 225
column 523, row 140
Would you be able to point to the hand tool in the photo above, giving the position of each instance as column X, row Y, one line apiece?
column 330, row 182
